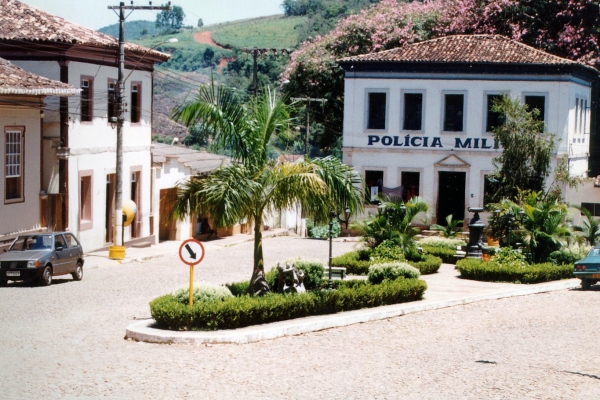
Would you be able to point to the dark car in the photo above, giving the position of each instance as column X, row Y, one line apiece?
column 41, row 256
column 588, row 269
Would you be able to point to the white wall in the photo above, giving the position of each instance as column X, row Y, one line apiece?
column 93, row 144
column 23, row 215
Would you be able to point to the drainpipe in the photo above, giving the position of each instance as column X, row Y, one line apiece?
column 63, row 164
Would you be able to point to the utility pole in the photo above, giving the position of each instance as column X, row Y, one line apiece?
column 255, row 52
column 120, row 113
column 308, row 100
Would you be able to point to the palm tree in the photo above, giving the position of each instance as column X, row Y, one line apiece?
column 254, row 186
column 590, row 230
column 449, row 230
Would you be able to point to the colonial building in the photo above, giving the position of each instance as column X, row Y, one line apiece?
column 21, row 118
column 77, row 175
column 418, row 119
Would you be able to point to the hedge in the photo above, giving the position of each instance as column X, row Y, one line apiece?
column 355, row 262
column 447, row 255
column 238, row 312
column 494, row 272
column 427, row 265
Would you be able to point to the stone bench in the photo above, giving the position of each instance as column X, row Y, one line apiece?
column 337, row 273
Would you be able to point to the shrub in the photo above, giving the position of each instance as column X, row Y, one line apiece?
column 387, row 251
column 313, row 273
column 441, row 242
column 355, row 262
column 445, row 254
column 568, row 255
column 239, row 288
column 322, row 231
column 515, row 273
column 391, row 270
column 237, row 312
column 507, row 256
column 426, row 263
column 203, row 291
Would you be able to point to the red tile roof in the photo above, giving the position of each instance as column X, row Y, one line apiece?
column 15, row 80
column 19, row 21
column 465, row 48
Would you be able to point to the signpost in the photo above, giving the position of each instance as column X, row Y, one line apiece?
column 191, row 252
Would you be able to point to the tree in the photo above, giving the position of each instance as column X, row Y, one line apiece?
column 170, row 21
column 200, row 23
column 253, row 186
column 527, row 149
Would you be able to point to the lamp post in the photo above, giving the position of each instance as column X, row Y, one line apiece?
column 332, row 215
column 508, row 218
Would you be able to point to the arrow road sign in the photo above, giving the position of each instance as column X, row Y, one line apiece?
column 191, row 251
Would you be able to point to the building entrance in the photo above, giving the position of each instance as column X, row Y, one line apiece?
column 451, row 196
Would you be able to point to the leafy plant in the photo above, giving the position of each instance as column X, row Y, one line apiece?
column 590, row 229
column 203, row 291
column 508, row 256
column 441, row 242
column 322, row 231
column 355, row 262
column 388, row 250
column 426, row 263
column 391, row 270
column 449, row 231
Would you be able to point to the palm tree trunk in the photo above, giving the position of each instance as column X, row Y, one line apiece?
column 258, row 283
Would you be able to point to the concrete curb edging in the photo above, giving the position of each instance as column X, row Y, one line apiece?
column 143, row 331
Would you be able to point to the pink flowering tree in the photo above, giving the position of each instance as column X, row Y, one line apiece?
column 567, row 28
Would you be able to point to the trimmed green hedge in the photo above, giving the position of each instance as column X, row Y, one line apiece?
column 355, row 262
column 447, row 255
column 245, row 310
column 479, row 270
column 428, row 264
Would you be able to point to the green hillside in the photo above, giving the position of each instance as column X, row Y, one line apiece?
column 268, row 32
column 133, row 29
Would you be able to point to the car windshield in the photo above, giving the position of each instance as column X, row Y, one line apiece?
column 32, row 242
column 594, row 253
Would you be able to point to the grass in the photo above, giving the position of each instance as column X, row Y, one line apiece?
column 273, row 32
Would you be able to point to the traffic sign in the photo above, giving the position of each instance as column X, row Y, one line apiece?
column 191, row 251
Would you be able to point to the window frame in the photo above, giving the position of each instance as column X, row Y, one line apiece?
column 368, row 188
column 464, row 111
column 486, row 109
column 86, row 205
column 21, row 175
column 90, row 99
column 545, row 95
column 139, row 104
column 403, row 94
column 368, row 110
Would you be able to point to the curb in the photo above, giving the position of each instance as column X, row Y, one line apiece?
column 143, row 331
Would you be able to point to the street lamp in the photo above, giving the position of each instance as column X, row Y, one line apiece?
column 508, row 219
column 332, row 215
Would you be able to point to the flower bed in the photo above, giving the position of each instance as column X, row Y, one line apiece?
column 358, row 262
column 493, row 271
column 245, row 310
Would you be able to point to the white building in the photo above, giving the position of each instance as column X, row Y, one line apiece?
column 417, row 119
column 79, row 141
column 21, row 114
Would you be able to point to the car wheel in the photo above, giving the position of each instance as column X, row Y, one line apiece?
column 46, row 278
column 78, row 274
column 3, row 282
column 586, row 284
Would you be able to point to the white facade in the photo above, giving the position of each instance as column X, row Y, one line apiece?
column 92, row 146
column 466, row 154
column 24, row 213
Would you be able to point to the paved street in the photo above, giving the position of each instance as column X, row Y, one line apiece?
column 66, row 341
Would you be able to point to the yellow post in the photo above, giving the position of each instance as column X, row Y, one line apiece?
column 191, row 284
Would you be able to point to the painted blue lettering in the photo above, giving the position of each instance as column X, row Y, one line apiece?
column 437, row 142
column 386, row 140
column 425, row 139
column 373, row 139
column 413, row 141
column 459, row 144
column 406, row 139
column 484, row 144
column 397, row 141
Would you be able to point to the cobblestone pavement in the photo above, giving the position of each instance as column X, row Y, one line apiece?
column 66, row 341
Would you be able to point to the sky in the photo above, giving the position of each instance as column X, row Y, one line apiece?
column 95, row 13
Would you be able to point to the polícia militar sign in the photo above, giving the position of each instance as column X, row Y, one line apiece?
column 433, row 142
